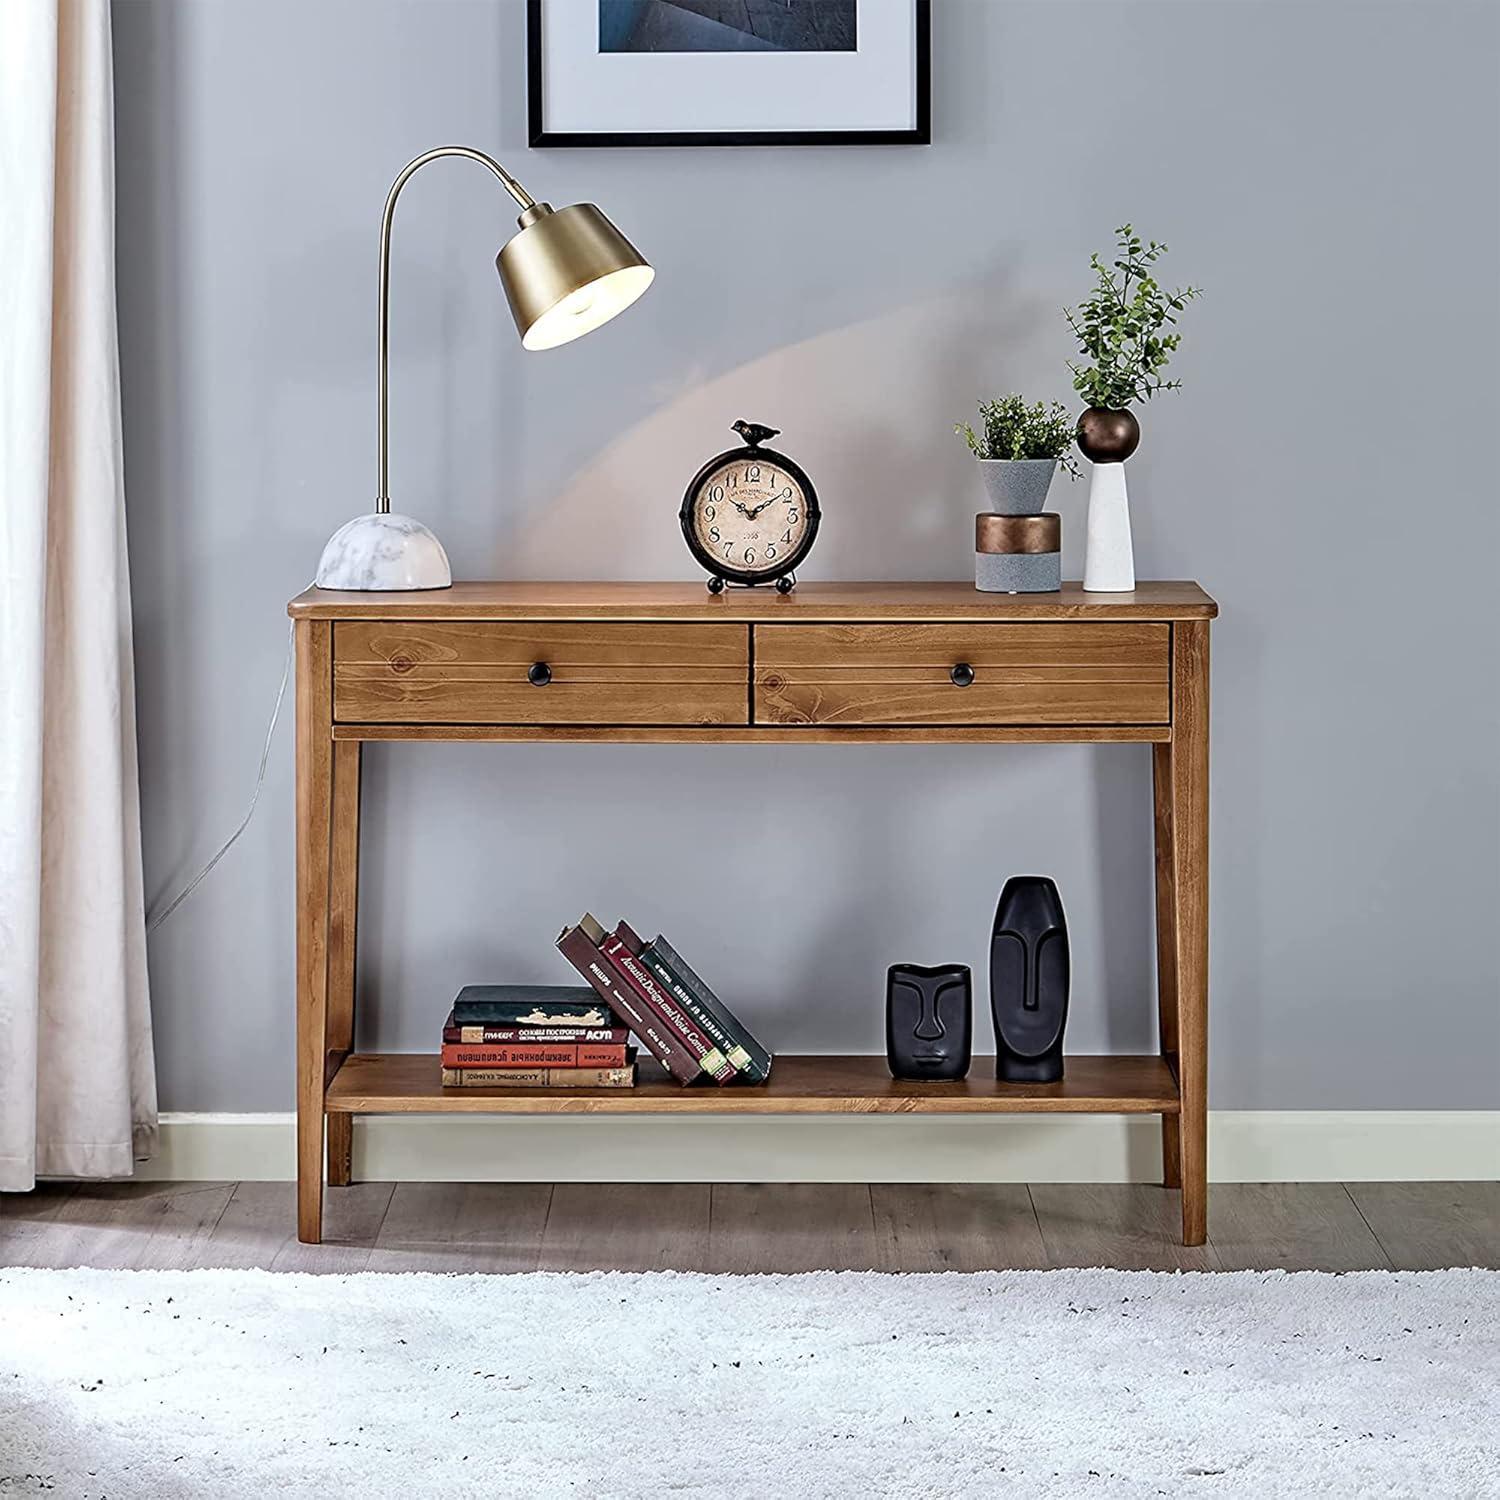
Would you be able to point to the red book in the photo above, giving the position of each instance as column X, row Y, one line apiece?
column 639, row 977
column 607, row 1036
column 580, row 946
column 534, row 1055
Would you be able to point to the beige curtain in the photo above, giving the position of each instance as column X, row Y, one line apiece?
column 77, row 1078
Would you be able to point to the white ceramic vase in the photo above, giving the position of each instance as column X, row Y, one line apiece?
column 1109, row 561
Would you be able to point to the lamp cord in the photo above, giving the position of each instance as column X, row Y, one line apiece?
column 155, row 918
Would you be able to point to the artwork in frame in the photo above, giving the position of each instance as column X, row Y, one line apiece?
column 729, row 72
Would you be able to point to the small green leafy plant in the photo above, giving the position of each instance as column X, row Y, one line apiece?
column 1011, row 429
column 1121, row 326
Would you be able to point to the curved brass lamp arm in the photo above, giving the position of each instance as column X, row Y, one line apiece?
column 511, row 186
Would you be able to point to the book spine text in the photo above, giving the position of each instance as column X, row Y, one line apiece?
column 538, row 1078
column 727, row 1044
column 760, row 1056
column 604, row 1036
column 668, row 1049
column 714, row 1063
column 533, row 1055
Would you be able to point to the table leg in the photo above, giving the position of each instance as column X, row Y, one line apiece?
column 343, row 910
column 1166, row 951
column 314, row 836
column 1189, row 818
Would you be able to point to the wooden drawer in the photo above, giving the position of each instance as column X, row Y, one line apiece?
column 602, row 672
column 1064, row 673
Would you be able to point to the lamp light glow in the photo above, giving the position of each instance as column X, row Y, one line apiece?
column 567, row 272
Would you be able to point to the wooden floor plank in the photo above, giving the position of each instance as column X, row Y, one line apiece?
column 956, row 1227
column 792, row 1226
column 1290, row 1226
column 1426, row 1226
column 26, row 1221
column 1130, row 1226
column 748, row 1228
column 135, row 1225
column 461, row 1226
column 259, row 1229
column 36, row 1207
column 622, row 1226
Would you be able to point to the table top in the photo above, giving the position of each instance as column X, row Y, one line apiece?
column 895, row 600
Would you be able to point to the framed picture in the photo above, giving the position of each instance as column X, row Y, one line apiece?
column 729, row 72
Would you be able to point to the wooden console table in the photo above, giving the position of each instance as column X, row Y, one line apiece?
column 835, row 663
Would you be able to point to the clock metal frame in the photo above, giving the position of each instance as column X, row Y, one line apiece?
column 782, row 574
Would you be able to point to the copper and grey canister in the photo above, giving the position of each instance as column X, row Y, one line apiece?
column 1018, row 554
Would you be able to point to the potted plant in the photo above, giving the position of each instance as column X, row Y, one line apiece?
column 1019, row 448
column 1126, row 330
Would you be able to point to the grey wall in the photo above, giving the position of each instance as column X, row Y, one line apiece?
column 1329, row 173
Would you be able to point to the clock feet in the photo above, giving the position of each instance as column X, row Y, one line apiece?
column 786, row 583
column 716, row 585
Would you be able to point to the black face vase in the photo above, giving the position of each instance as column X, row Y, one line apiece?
column 929, row 1021
column 1029, row 973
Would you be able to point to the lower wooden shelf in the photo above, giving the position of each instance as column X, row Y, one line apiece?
column 410, row 1083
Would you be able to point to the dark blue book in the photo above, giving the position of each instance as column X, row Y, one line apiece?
column 530, row 1005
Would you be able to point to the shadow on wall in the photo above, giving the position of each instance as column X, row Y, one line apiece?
column 868, row 410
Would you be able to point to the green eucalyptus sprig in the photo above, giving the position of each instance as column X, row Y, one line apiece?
column 1121, row 326
column 1012, row 429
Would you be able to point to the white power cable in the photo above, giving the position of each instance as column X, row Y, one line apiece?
column 156, row 918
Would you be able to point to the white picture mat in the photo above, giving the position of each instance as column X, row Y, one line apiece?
column 586, row 91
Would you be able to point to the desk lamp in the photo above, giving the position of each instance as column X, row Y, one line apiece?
column 564, row 274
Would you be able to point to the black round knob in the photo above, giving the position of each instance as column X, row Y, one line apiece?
column 539, row 674
column 962, row 674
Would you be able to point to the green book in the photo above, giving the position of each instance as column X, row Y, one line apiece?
column 529, row 1005
column 750, row 1059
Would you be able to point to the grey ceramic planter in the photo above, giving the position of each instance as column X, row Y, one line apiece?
column 1017, row 486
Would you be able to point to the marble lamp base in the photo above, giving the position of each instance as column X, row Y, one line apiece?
column 384, row 551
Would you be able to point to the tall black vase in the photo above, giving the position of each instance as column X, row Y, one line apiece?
column 1029, row 973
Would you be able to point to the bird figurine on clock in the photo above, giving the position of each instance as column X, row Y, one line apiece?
column 750, row 515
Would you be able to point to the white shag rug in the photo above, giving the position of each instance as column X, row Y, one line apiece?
column 171, row 1384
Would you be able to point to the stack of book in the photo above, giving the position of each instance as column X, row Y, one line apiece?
column 673, row 1013
column 552, row 1036
column 534, row 1036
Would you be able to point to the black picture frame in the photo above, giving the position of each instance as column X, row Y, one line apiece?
column 920, row 134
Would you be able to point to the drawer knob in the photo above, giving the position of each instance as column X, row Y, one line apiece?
column 962, row 674
column 539, row 674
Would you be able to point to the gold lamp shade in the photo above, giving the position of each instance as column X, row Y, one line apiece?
column 567, row 272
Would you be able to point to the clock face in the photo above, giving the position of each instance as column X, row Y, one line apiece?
column 749, row 515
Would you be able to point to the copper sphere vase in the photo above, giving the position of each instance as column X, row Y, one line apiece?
column 1108, row 438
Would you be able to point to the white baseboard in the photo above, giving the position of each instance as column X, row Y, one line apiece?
column 1243, row 1146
